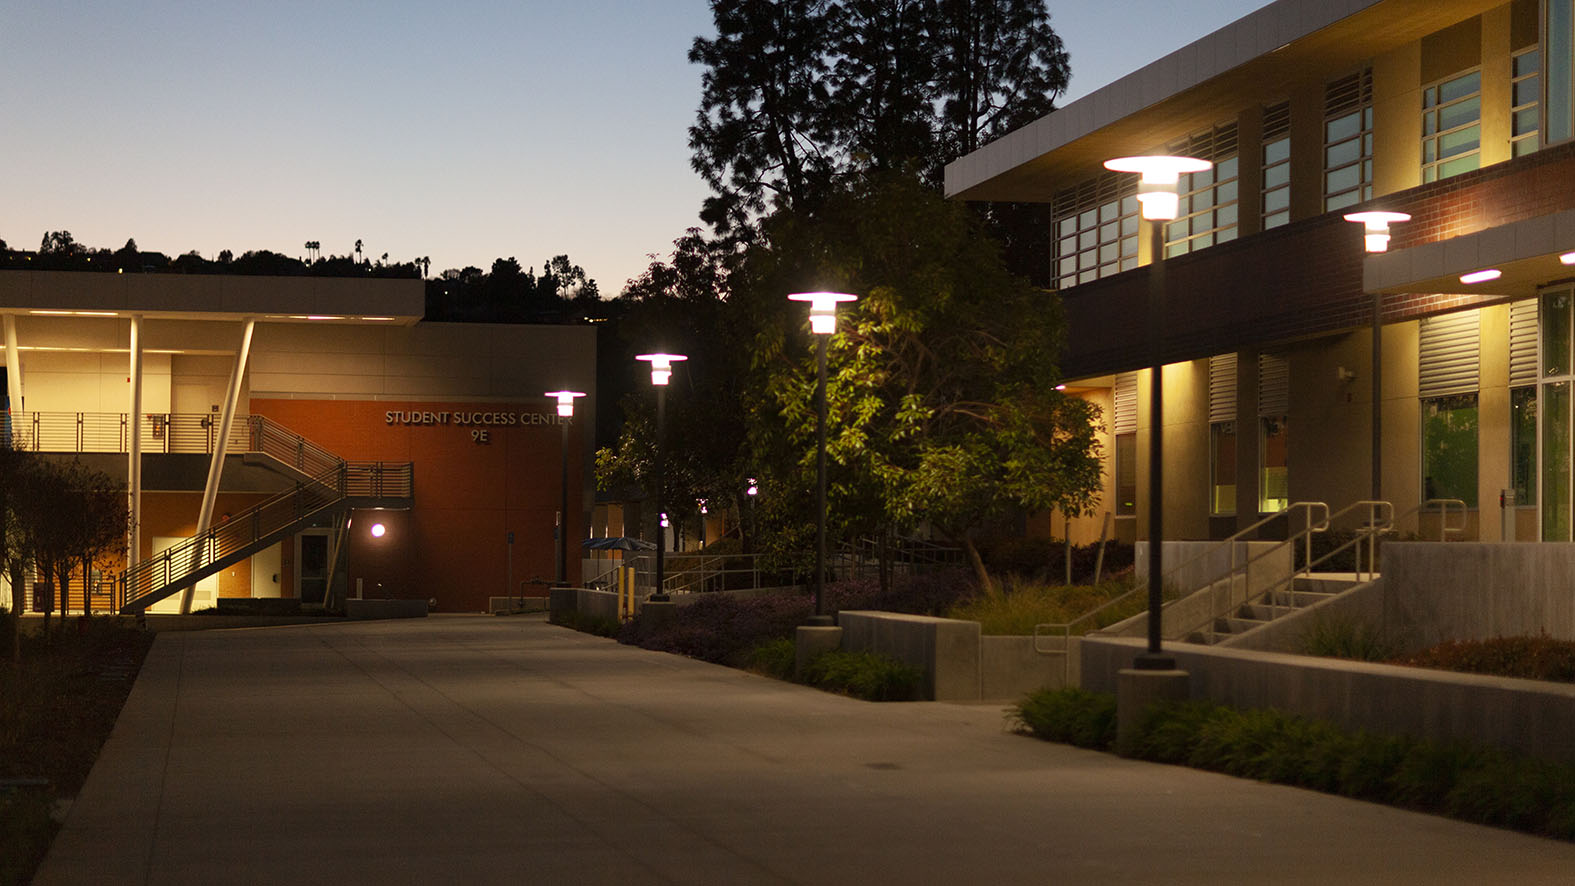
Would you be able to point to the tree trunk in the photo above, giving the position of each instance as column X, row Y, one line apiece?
column 883, row 560
column 16, row 610
column 976, row 561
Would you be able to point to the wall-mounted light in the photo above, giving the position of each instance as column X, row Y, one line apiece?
column 1157, row 188
column 1376, row 223
column 1481, row 276
column 379, row 530
column 1568, row 258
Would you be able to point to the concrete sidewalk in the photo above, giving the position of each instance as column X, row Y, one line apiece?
column 468, row 749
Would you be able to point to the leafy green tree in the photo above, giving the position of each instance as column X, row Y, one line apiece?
column 941, row 390
column 16, row 477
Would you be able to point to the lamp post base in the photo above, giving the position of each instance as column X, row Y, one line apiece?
column 820, row 621
column 1136, row 689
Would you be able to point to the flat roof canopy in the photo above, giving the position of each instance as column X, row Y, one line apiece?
column 213, row 297
column 1248, row 62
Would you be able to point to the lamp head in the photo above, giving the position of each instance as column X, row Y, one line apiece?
column 822, row 309
column 565, row 401
column 1157, row 189
column 661, row 366
column 1376, row 225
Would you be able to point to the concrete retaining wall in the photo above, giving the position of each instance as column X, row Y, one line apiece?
column 1010, row 668
column 1477, row 591
column 566, row 602
column 945, row 649
column 1523, row 715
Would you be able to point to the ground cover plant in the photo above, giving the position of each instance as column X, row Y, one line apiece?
column 1473, row 783
column 1342, row 637
column 57, row 707
column 1015, row 606
column 1532, row 658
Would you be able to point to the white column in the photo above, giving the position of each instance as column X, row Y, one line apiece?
column 210, row 492
column 134, row 447
column 13, row 365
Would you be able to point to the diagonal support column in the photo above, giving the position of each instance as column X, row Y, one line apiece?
column 13, row 366
column 210, row 492
column 134, row 448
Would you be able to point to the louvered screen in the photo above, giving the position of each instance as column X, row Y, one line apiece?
column 1222, row 388
column 1347, row 94
column 1276, row 121
column 1523, row 342
column 1274, row 385
column 1126, row 403
column 1450, row 354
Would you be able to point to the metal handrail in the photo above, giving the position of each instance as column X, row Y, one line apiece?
column 1443, row 506
column 164, row 433
column 687, row 571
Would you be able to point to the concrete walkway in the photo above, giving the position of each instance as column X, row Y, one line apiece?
column 468, row 750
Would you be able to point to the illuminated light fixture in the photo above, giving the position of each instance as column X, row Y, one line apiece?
column 703, row 508
column 379, row 530
column 823, row 309
column 565, row 401
column 314, row 317
column 754, row 487
column 379, row 319
column 1376, row 224
column 661, row 366
column 1568, row 258
column 1481, row 276
column 1157, row 189
column 665, row 524
column 1060, row 387
column 51, row 313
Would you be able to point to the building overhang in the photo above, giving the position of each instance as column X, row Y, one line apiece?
column 1246, row 63
column 212, row 297
column 1526, row 253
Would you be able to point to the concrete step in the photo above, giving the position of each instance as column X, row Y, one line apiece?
column 1297, row 600
column 1236, row 625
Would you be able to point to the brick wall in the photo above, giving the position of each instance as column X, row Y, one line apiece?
column 1305, row 278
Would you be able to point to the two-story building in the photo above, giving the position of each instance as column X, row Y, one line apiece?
column 1296, row 366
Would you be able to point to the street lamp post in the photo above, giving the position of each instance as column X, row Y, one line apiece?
column 1375, row 224
column 822, row 323
column 661, row 373
column 1157, row 195
column 565, row 415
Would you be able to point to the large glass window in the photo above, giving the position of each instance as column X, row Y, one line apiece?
column 1096, row 229
column 1555, row 315
column 1208, row 200
column 1452, row 126
column 1348, row 141
column 1222, row 468
column 1526, row 89
column 1559, row 17
column 1449, row 448
column 1275, row 198
column 1523, row 444
column 1274, row 483
column 1126, row 475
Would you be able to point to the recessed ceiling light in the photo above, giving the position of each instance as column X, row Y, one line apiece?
column 1481, row 276
column 1568, row 258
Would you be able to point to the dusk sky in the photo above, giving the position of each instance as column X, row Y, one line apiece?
column 463, row 131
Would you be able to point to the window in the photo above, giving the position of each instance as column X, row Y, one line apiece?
column 1276, row 195
column 1274, row 402
column 1449, row 448
column 1222, row 434
column 1556, row 314
column 1526, row 92
column 1560, row 18
column 1523, row 445
column 1452, row 127
column 1207, row 206
column 1125, row 429
column 1096, row 229
column 1348, row 141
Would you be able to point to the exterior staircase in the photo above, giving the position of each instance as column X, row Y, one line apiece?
column 1304, row 592
column 326, row 487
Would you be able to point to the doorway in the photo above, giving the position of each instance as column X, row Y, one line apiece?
column 311, row 564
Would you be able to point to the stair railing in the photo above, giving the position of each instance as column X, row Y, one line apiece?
column 1443, row 506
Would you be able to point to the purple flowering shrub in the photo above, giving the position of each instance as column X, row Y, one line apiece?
column 722, row 629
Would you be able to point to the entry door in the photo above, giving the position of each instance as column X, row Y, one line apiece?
column 311, row 565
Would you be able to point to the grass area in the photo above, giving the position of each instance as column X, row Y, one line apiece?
column 56, row 710
column 1015, row 606
column 1532, row 658
column 1472, row 783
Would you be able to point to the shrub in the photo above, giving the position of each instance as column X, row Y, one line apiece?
column 867, row 675
column 1073, row 716
column 774, row 658
column 1017, row 606
column 1473, row 783
column 1333, row 636
column 1531, row 658
column 1044, row 559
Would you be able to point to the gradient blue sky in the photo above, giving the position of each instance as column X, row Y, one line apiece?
column 463, row 131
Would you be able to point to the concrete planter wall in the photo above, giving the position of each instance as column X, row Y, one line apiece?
column 1477, row 591
column 959, row 663
column 1524, row 715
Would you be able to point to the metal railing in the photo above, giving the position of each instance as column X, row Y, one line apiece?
column 862, row 555
column 702, row 572
column 1443, row 507
column 184, row 562
column 164, row 433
